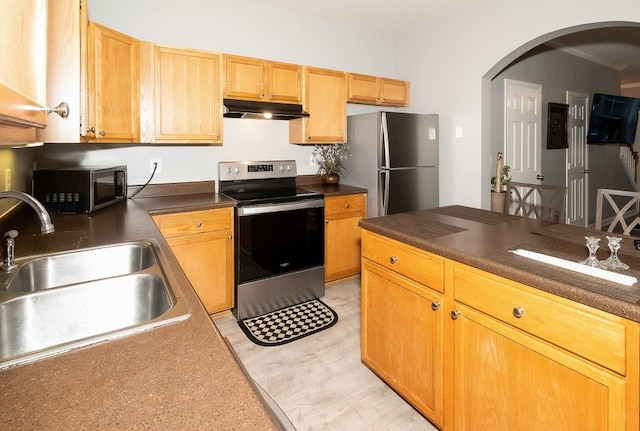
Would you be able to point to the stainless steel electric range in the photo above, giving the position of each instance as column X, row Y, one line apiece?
column 279, row 236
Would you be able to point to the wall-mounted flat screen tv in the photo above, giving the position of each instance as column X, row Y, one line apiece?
column 613, row 119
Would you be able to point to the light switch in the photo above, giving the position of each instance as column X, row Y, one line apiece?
column 458, row 132
column 432, row 134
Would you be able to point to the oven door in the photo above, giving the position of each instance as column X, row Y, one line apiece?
column 276, row 239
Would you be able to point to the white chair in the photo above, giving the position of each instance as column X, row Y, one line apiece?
column 536, row 201
column 622, row 209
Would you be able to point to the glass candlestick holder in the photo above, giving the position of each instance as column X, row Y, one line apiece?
column 613, row 261
column 593, row 243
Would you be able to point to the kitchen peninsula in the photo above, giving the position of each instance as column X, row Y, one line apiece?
column 478, row 338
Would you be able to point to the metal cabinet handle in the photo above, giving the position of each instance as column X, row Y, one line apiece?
column 455, row 314
column 62, row 109
column 518, row 312
column 347, row 206
column 435, row 305
column 93, row 130
column 393, row 259
column 261, row 94
column 272, row 94
column 199, row 224
column 229, row 237
column 326, row 221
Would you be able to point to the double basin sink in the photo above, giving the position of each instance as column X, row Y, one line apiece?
column 50, row 304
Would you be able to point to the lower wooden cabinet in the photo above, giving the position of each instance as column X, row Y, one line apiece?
column 510, row 357
column 202, row 242
column 342, row 235
column 402, row 337
column 507, row 380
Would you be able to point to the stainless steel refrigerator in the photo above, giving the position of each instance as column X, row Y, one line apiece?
column 395, row 157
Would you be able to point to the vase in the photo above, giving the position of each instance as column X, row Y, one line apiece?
column 332, row 178
column 497, row 201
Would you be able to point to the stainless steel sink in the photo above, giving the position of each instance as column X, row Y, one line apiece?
column 48, row 313
column 79, row 266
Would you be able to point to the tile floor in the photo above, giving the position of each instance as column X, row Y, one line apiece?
column 318, row 381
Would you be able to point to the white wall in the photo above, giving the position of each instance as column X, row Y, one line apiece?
column 446, row 63
column 230, row 26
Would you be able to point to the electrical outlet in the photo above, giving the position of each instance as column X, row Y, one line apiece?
column 7, row 179
column 152, row 162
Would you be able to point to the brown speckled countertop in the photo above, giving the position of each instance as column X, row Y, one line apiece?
column 483, row 239
column 177, row 377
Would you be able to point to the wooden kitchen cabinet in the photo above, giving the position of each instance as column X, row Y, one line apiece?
column 403, row 323
column 325, row 100
column 373, row 90
column 179, row 95
column 526, row 360
column 202, row 242
column 260, row 80
column 342, row 235
column 113, row 86
column 23, row 40
column 494, row 354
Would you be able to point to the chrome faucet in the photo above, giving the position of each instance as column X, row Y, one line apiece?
column 9, row 238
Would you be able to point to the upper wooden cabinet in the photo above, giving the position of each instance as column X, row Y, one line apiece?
column 66, row 69
column 113, row 86
column 23, row 39
column 179, row 95
column 325, row 100
column 248, row 78
column 373, row 90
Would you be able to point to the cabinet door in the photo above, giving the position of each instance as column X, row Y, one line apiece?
column 402, row 337
column 363, row 89
column 326, row 102
column 187, row 106
column 243, row 78
column 23, row 39
column 66, row 69
column 394, row 92
column 507, row 380
column 342, row 235
column 207, row 261
column 113, row 68
column 284, row 82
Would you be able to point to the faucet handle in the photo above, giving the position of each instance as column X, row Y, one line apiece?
column 8, row 250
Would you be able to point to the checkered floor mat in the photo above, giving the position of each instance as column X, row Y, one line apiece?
column 290, row 323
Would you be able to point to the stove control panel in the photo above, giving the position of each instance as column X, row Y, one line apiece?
column 230, row 171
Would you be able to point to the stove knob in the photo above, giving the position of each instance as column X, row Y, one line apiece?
column 236, row 170
column 288, row 167
column 228, row 170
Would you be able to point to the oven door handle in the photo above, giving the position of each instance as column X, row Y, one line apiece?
column 279, row 207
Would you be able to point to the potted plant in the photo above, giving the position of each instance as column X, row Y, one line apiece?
column 329, row 159
column 499, row 185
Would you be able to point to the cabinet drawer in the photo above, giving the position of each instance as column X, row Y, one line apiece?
column 344, row 204
column 411, row 262
column 194, row 221
column 587, row 332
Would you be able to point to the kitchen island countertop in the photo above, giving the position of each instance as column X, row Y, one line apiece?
column 483, row 239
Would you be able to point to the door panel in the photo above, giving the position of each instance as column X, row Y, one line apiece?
column 413, row 139
column 409, row 189
column 577, row 160
column 523, row 144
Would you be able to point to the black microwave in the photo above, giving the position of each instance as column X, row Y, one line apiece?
column 80, row 189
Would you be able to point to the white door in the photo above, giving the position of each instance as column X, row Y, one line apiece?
column 522, row 125
column 577, row 159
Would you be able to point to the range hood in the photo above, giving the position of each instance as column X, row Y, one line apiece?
column 262, row 110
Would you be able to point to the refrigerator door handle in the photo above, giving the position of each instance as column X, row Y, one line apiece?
column 386, row 163
column 383, row 193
